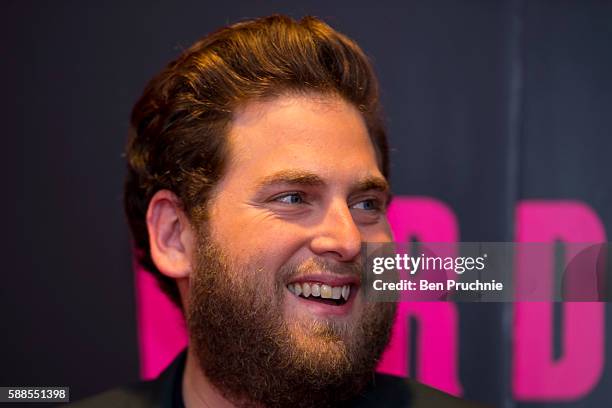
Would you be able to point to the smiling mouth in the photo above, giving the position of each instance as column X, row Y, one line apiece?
column 321, row 293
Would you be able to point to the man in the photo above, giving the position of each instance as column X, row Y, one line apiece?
column 257, row 166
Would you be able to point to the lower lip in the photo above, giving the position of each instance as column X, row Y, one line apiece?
column 323, row 309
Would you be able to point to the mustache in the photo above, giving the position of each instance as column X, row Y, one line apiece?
column 321, row 265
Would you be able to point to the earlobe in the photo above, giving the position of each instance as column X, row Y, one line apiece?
column 170, row 235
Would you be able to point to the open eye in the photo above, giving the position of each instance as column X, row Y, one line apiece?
column 290, row 198
column 367, row 205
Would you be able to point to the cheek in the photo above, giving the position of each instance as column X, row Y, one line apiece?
column 260, row 238
column 279, row 246
column 260, row 247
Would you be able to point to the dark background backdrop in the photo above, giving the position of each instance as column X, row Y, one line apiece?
column 488, row 103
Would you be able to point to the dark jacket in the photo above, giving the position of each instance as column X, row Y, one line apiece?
column 166, row 392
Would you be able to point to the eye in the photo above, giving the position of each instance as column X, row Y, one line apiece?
column 367, row 205
column 290, row 198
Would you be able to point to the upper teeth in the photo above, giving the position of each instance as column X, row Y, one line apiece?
column 318, row 290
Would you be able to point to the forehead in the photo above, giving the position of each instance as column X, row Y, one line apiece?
column 320, row 134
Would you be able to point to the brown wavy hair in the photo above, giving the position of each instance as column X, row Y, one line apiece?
column 177, row 138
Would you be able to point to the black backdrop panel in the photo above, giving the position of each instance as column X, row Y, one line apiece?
column 488, row 103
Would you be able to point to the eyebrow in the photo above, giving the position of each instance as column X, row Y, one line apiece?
column 306, row 178
column 298, row 177
column 372, row 183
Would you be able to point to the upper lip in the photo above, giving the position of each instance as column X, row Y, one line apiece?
column 327, row 279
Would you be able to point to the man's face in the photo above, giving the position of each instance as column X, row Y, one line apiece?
column 278, row 266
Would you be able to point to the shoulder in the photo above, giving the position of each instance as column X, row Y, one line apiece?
column 425, row 396
column 395, row 392
column 144, row 394
column 158, row 393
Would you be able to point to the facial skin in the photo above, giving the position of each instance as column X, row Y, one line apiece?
column 301, row 192
column 319, row 152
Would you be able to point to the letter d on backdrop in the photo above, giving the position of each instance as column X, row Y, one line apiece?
column 537, row 376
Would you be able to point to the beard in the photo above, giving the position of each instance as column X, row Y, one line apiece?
column 255, row 357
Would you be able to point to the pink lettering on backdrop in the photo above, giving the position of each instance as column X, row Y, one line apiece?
column 428, row 220
column 536, row 375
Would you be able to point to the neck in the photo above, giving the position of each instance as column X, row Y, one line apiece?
column 198, row 391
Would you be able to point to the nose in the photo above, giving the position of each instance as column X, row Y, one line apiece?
column 337, row 236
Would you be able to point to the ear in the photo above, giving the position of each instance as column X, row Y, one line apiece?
column 171, row 236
